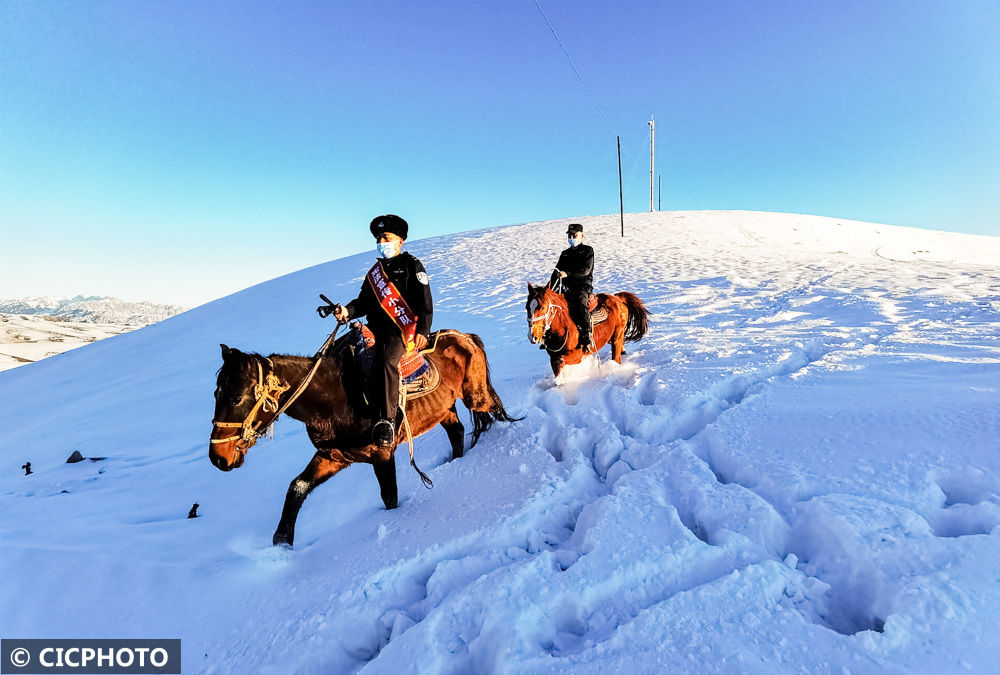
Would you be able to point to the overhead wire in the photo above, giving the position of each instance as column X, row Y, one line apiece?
column 593, row 98
column 586, row 87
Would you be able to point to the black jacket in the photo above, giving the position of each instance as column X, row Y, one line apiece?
column 578, row 264
column 408, row 275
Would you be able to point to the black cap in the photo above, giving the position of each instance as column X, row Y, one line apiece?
column 389, row 223
column 574, row 227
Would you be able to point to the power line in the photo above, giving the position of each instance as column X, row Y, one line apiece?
column 593, row 98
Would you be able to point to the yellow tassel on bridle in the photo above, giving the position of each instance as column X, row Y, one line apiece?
column 266, row 391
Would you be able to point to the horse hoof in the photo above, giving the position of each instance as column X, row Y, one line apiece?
column 282, row 541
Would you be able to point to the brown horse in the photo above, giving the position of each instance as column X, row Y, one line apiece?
column 336, row 417
column 550, row 326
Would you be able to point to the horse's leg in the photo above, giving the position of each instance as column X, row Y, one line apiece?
column 456, row 432
column 319, row 469
column 385, row 472
column 555, row 360
column 618, row 342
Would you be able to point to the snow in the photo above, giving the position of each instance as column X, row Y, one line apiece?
column 797, row 470
column 32, row 329
column 95, row 309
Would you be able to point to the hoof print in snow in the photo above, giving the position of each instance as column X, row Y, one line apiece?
column 971, row 507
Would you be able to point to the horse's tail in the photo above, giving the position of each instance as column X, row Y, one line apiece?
column 638, row 317
column 481, row 398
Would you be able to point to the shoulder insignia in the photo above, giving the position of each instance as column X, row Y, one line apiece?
column 422, row 278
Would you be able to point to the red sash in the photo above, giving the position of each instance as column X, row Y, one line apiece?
column 394, row 305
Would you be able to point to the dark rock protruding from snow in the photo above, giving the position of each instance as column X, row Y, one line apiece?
column 77, row 457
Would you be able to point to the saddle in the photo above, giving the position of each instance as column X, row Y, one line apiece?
column 595, row 303
column 419, row 375
column 598, row 314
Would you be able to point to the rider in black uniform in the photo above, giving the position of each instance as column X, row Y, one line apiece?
column 408, row 276
column 576, row 269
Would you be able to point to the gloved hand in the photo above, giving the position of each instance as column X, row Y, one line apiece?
column 420, row 341
column 327, row 309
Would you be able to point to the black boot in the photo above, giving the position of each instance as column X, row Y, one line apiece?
column 586, row 340
column 384, row 433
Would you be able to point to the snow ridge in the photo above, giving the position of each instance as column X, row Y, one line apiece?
column 92, row 309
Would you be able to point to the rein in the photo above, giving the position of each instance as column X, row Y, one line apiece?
column 428, row 483
column 268, row 391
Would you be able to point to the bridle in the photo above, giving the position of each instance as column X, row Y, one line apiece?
column 267, row 390
column 550, row 312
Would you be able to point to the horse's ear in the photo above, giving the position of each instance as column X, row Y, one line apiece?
column 226, row 351
column 531, row 289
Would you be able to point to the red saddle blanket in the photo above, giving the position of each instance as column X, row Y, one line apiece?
column 411, row 365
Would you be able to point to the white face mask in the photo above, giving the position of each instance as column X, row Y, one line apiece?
column 388, row 249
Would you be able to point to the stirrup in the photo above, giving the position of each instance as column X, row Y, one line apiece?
column 383, row 433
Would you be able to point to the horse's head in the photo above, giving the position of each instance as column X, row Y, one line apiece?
column 237, row 389
column 541, row 308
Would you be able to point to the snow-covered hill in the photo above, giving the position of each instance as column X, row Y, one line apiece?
column 35, row 328
column 94, row 309
column 796, row 471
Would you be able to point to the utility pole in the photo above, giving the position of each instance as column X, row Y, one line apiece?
column 659, row 192
column 652, row 159
column 621, row 200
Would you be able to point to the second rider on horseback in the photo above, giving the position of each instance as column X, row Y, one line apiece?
column 396, row 298
column 575, row 272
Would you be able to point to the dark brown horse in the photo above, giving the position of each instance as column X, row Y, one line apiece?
column 336, row 418
column 549, row 325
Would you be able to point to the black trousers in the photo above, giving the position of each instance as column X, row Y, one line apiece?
column 577, row 300
column 389, row 349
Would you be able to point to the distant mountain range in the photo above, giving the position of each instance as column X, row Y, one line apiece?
column 93, row 309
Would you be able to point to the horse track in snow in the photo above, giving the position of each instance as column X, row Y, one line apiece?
column 794, row 467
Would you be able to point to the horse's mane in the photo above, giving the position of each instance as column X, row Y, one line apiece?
column 335, row 364
column 335, row 355
column 540, row 291
column 544, row 292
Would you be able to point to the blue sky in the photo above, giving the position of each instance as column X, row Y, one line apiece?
column 180, row 151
